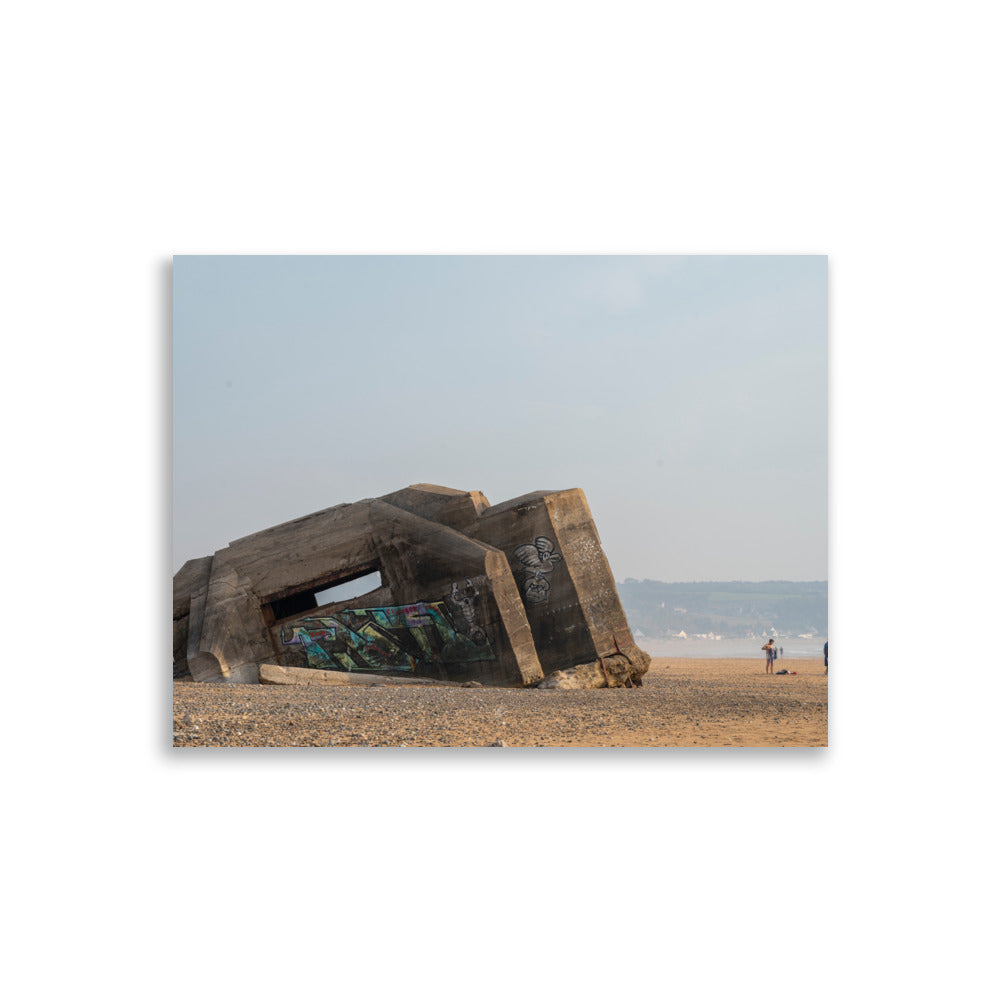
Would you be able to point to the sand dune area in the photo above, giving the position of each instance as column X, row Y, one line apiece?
column 682, row 703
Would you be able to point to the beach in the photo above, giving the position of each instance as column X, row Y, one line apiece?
column 683, row 702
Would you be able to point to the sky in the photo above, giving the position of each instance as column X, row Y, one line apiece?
column 686, row 396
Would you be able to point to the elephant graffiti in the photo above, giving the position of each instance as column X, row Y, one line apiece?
column 394, row 638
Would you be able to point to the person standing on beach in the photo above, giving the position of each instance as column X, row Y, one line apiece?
column 769, row 652
column 826, row 658
column 781, row 651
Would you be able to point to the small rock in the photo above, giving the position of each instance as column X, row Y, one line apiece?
column 499, row 743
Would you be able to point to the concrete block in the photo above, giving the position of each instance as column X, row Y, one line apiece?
column 464, row 592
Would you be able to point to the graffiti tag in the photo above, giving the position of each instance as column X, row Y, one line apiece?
column 461, row 604
column 394, row 638
column 537, row 559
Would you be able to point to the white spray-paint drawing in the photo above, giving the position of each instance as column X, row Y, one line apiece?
column 538, row 559
column 461, row 603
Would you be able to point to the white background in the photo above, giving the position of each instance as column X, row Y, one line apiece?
column 860, row 130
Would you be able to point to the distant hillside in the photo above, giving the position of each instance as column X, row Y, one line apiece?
column 732, row 609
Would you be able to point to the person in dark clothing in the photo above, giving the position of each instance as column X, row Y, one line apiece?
column 826, row 657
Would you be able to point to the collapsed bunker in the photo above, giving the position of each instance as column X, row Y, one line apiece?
column 515, row 594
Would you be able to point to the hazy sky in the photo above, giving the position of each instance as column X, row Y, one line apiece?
column 687, row 397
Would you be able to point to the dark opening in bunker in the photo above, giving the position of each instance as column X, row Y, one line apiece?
column 354, row 587
column 343, row 587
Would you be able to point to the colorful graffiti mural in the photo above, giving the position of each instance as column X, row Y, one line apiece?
column 537, row 560
column 394, row 638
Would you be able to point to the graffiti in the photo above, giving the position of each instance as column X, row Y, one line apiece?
column 395, row 638
column 460, row 603
column 538, row 560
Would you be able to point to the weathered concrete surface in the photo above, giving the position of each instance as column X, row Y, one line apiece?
column 611, row 671
column 271, row 673
column 190, row 582
column 466, row 592
column 570, row 596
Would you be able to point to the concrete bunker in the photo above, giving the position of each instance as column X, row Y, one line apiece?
column 425, row 583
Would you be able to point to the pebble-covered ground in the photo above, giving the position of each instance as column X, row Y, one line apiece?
column 682, row 703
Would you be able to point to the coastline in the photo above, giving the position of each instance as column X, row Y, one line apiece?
column 795, row 647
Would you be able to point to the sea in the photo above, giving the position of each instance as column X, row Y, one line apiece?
column 795, row 648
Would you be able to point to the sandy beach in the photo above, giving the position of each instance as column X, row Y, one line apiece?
column 682, row 703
